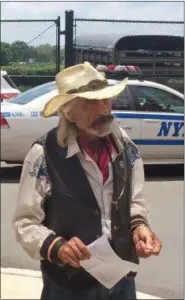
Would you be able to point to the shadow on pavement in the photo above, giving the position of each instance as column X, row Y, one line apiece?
column 164, row 173
column 11, row 174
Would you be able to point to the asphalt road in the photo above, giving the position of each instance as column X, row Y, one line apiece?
column 161, row 276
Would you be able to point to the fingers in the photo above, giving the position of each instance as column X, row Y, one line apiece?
column 78, row 254
column 143, row 242
column 82, row 248
column 142, row 250
column 149, row 241
column 146, row 242
column 69, row 257
column 157, row 247
column 73, row 252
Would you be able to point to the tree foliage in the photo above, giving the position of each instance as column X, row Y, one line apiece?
column 6, row 54
column 19, row 51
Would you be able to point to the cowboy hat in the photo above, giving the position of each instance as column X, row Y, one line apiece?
column 83, row 81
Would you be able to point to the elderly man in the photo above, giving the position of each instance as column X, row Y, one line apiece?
column 81, row 180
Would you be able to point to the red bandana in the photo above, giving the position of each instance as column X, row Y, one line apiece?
column 103, row 159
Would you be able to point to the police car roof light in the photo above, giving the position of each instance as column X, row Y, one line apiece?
column 111, row 67
column 120, row 71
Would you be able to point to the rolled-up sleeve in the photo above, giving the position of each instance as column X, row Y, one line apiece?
column 29, row 213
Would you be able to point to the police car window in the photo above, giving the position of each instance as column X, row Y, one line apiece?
column 122, row 101
column 153, row 99
column 33, row 93
column 8, row 82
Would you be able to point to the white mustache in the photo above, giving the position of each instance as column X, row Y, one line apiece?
column 103, row 120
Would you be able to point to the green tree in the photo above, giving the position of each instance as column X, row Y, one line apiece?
column 6, row 54
column 20, row 51
column 54, row 54
column 31, row 52
column 44, row 53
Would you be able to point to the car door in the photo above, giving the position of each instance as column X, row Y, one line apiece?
column 124, row 110
column 162, row 123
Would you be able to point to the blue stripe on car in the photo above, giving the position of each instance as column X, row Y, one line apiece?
column 142, row 142
column 122, row 115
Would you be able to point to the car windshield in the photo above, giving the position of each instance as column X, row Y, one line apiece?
column 33, row 93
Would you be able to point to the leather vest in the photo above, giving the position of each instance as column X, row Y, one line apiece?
column 72, row 209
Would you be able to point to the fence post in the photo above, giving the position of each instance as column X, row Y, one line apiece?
column 58, row 45
column 69, row 51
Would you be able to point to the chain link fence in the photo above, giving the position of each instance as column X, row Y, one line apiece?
column 30, row 50
column 156, row 47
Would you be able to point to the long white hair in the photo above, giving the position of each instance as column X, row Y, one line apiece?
column 67, row 131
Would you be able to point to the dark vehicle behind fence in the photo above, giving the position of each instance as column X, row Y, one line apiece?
column 159, row 57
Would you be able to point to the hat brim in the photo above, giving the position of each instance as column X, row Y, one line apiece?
column 108, row 92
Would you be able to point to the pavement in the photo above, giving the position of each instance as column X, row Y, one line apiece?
column 27, row 284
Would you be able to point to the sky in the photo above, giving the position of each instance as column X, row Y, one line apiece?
column 146, row 10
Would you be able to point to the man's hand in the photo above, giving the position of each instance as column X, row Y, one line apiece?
column 73, row 251
column 146, row 242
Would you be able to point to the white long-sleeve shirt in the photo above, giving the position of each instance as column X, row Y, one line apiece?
column 35, row 185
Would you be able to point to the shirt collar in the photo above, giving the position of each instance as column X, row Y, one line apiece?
column 73, row 149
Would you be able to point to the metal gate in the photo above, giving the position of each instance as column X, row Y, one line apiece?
column 30, row 50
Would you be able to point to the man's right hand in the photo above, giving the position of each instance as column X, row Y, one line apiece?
column 73, row 251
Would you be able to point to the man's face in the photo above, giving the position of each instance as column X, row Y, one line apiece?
column 92, row 117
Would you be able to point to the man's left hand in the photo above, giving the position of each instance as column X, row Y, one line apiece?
column 146, row 242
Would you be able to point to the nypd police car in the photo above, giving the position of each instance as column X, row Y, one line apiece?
column 8, row 89
column 152, row 114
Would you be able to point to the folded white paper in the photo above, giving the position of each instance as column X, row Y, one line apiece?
column 105, row 265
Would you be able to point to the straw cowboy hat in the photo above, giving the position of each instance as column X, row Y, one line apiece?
column 83, row 81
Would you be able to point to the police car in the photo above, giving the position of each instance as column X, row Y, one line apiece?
column 8, row 89
column 152, row 114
